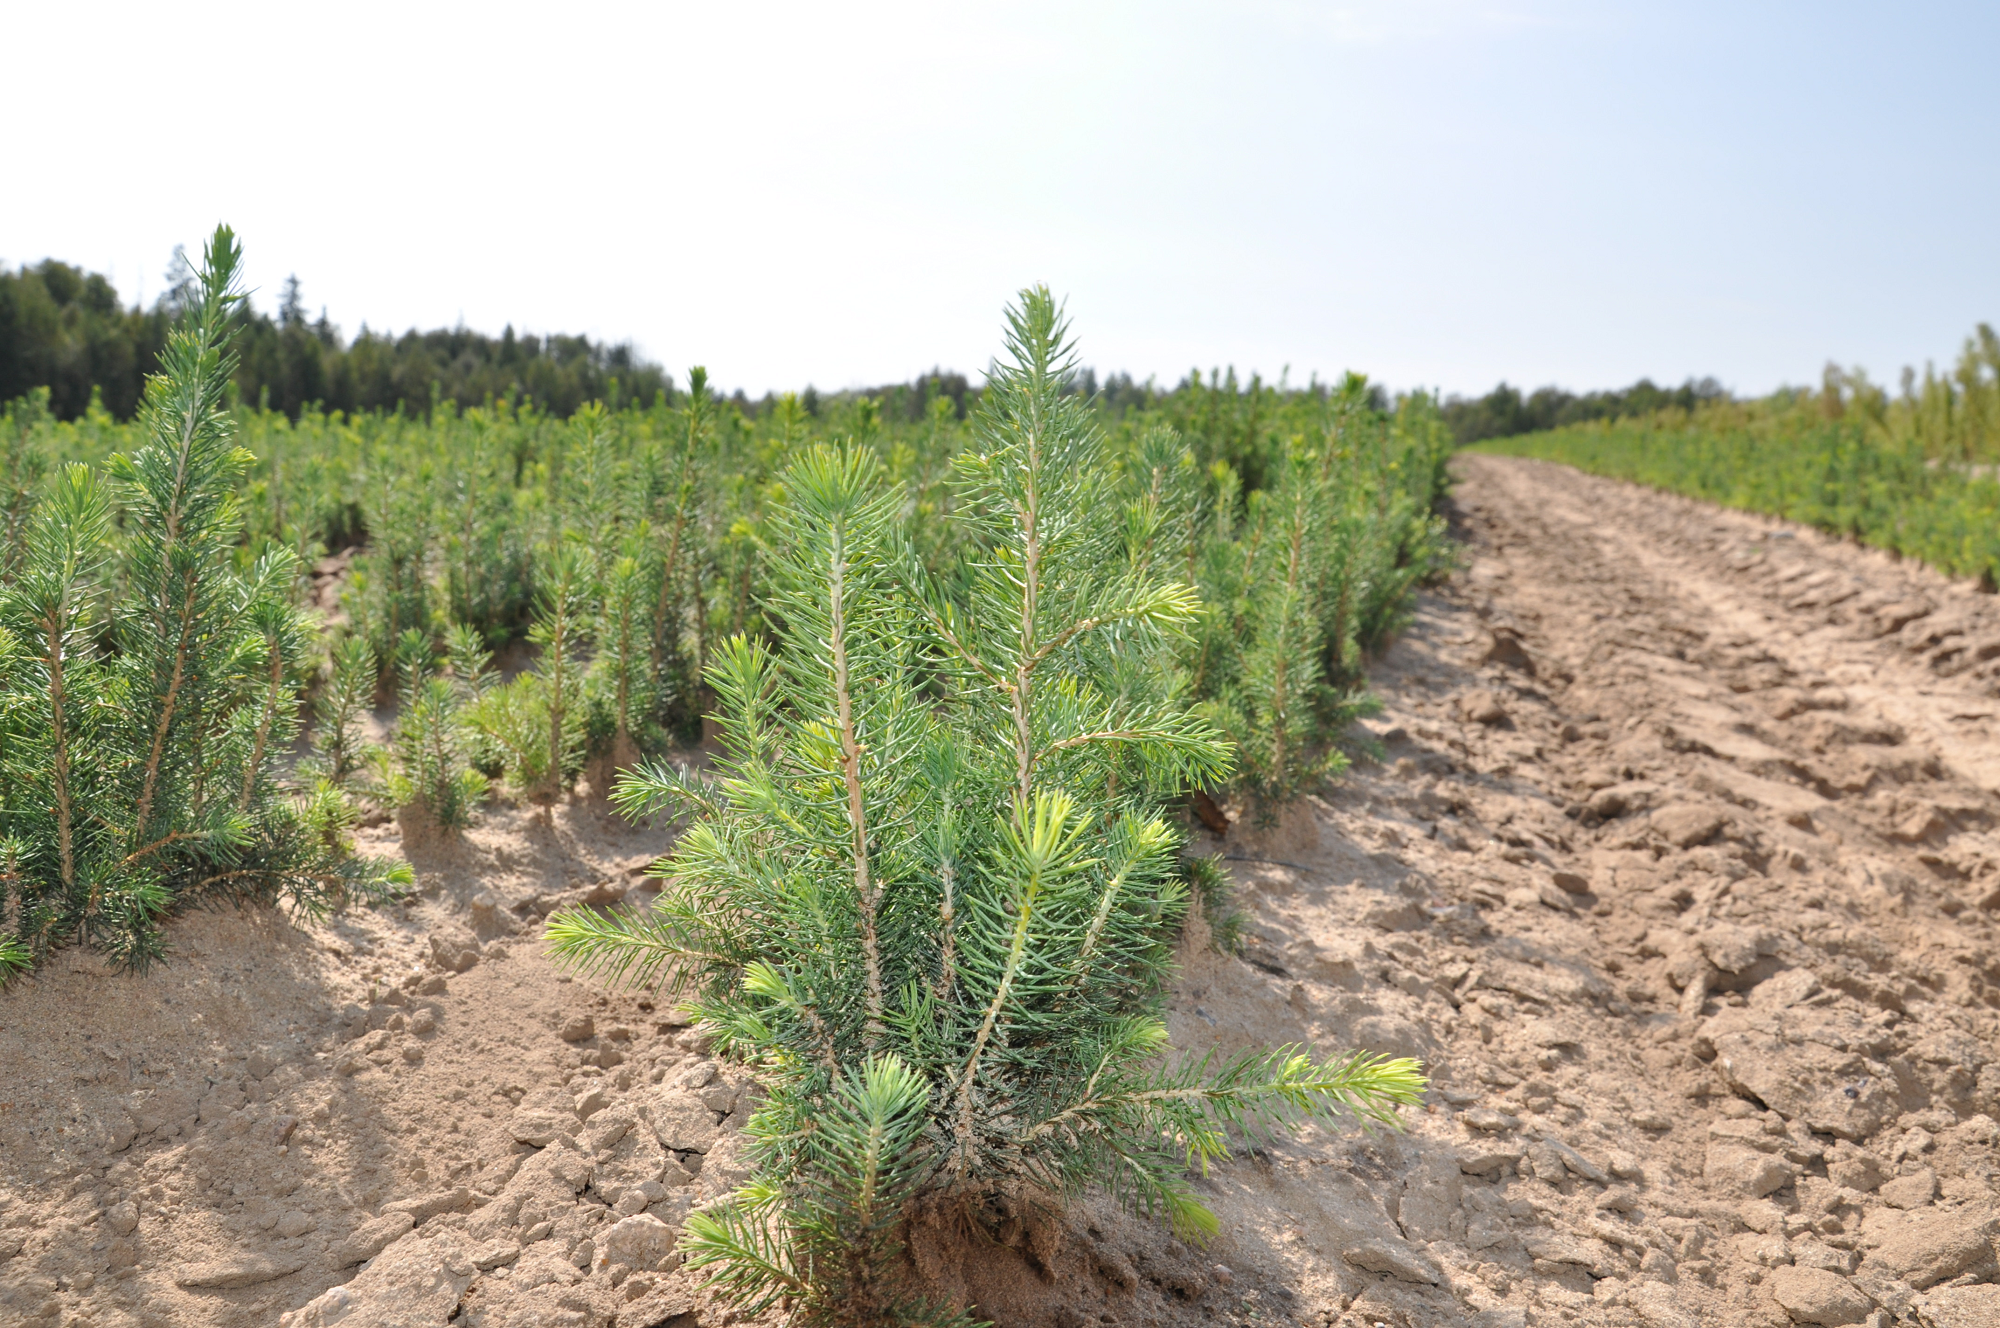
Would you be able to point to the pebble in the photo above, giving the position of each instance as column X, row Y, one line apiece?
column 1489, row 1120
column 1911, row 1191
column 495, row 1254
column 579, row 1028
column 1814, row 1295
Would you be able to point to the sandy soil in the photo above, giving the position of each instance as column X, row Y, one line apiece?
column 1678, row 869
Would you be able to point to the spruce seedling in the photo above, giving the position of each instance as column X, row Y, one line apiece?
column 920, row 899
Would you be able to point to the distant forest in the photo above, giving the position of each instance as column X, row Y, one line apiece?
column 64, row 329
column 1504, row 412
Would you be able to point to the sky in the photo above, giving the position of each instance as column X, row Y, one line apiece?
column 1435, row 193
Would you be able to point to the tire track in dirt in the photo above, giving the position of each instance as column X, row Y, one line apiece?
column 1681, row 870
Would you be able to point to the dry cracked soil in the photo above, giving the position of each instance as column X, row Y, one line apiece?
column 1678, row 867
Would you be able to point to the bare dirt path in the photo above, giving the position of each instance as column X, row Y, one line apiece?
column 1678, row 869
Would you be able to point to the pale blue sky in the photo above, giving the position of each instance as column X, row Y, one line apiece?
column 1435, row 193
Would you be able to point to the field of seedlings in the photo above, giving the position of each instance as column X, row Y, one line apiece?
column 1912, row 473
column 929, row 689
column 1026, row 855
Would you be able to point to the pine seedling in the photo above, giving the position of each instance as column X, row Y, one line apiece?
column 676, row 511
column 920, row 898
column 340, row 706
column 561, row 628
column 1276, row 704
column 621, row 636
column 430, row 782
column 22, row 466
column 61, row 860
column 133, row 782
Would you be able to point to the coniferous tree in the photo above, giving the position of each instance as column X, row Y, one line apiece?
column 137, row 780
column 933, row 896
column 561, row 629
column 337, row 710
column 430, row 780
column 22, row 466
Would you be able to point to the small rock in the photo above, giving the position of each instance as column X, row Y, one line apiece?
column 719, row 1098
column 451, row 956
column 1744, row 1173
column 259, row 1064
column 1482, row 1159
column 1577, row 1163
column 1960, row 1307
column 1503, row 646
column 322, row 1311
column 607, row 1129
column 571, row 1168
column 242, row 1271
column 1814, row 1295
column 1488, row 1120
column 1911, row 1191
column 639, row 1241
column 682, row 1124
column 1482, row 707
column 423, row 1022
column 430, row 1205
column 1918, row 825
column 580, row 1028
column 1931, row 1247
column 1855, row 1168
column 591, row 1101
column 122, row 1218
column 294, row 1223
column 371, row 1238
column 1395, row 915
column 1734, row 949
column 1685, row 826
column 433, row 985
column 1223, row 1274
column 414, row 1283
column 1617, row 1199
column 1398, row 1260
column 494, row 1254
column 540, row 1127
column 1607, row 803
column 1572, row 883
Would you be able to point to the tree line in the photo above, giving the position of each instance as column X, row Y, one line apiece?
column 1506, row 413
column 65, row 329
